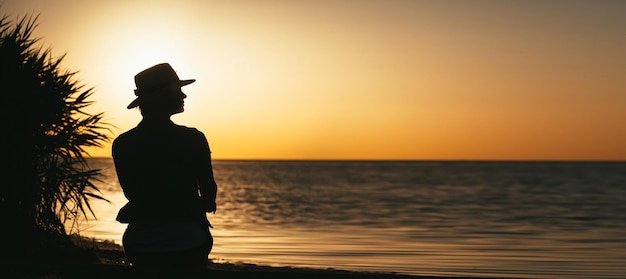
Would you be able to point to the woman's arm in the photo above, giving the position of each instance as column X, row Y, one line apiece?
column 206, row 180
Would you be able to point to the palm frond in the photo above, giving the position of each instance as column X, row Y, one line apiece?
column 51, row 181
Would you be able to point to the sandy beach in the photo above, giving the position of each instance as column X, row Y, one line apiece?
column 110, row 262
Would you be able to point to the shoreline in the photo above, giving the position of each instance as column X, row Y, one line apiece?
column 112, row 263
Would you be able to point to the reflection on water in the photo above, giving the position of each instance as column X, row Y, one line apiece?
column 532, row 220
column 104, row 225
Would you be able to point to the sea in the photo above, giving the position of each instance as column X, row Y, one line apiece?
column 429, row 218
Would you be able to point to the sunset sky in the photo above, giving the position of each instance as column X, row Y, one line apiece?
column 358, row 79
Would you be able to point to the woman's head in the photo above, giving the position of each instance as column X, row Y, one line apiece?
column 159, row 91
column 164, row 101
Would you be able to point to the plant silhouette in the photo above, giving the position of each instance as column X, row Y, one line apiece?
column 46, row 133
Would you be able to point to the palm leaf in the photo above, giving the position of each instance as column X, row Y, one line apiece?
column 49, row 182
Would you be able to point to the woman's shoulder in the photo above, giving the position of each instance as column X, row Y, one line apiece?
column 190, row 131
column 187, row 128
column 127, row 135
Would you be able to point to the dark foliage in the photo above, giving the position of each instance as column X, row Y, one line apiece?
column 46, row 131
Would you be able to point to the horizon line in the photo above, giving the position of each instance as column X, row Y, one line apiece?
column 410, row 160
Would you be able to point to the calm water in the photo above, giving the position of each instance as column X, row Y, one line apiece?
column 529, row 220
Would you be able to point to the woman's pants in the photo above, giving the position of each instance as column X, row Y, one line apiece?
column 143, row 253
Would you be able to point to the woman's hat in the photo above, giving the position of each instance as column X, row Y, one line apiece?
column 155, row 77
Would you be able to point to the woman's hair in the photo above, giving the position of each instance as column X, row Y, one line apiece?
column 159, row 104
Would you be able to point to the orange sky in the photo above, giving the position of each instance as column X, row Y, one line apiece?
column 420, row 80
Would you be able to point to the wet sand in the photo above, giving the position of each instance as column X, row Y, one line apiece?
column 111, row 263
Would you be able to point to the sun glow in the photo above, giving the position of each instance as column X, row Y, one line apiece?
column 361, row 79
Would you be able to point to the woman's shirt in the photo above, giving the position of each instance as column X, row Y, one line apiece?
column 158, row 165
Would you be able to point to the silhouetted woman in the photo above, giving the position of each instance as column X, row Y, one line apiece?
column 166, row 174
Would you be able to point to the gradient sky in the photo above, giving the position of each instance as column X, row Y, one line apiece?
column 420, row 80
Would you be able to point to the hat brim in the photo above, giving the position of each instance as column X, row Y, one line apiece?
column 136, row 101
column 133, row 104
column 187, row 82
